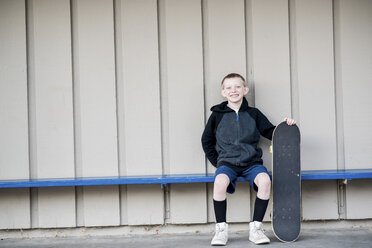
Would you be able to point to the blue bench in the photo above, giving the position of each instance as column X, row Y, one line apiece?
column 345, row 175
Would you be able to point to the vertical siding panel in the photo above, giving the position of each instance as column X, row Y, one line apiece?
column 270, row 63
column 319, row 200
column 95, row 108
column 50, row 41
column 56, row 207
column 14, row 162
column 183, row 104
column 354, row 55
column 101, row 206
column 314, row 65
column 14, row 159
column 225, row 52
column 358, row 199
column 139, row 106
column 52, row 83
column 15, row 208
column 145, row 205
column 315, row 75
column 238, row 204
column 139, row 87
column 188, row 203
column 355, row 63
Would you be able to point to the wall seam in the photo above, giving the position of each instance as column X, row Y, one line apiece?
column 340, row 149
column 116, row 62
column 202, row 6
column 73, row 108
column 165, row 188
column 31, row 111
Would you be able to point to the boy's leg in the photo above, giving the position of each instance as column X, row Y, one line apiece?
column 221, row 183
column 262, row 184
column 225, row 178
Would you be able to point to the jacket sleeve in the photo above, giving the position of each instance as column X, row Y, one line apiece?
column 264, row 125
column 209, row 140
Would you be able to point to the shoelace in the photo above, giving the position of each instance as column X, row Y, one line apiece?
column 219, row 231
column 259, row 232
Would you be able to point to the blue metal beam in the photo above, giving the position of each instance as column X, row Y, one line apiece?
column 167, row 179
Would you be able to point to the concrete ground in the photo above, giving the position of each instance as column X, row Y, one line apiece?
column 309, row 238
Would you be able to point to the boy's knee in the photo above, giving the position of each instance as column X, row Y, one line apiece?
column 221, row 182
column 263, row 180
column 263, row 183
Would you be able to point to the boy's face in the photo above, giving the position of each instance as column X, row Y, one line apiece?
column 234, row 90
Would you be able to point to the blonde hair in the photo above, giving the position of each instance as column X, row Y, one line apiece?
column 234, row 75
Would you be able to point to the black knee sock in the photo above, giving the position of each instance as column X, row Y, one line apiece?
column 220, row 210
column 260, row 207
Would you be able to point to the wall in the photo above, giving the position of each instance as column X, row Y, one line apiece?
column 124, row 87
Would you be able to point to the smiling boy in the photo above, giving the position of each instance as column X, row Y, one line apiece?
column 230, row 142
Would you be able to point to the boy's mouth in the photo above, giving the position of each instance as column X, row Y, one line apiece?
column 234, row 95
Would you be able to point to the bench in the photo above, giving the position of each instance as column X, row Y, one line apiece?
column 345, row 175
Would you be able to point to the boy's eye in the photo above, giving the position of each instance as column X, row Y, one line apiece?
column 238, row 87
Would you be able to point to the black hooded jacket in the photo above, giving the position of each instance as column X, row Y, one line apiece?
column 231, row 139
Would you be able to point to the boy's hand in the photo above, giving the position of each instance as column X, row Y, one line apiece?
column 289, row 121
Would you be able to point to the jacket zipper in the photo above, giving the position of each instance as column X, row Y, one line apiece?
column 237, row 136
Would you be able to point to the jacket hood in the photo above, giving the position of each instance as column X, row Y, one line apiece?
column 223, row 108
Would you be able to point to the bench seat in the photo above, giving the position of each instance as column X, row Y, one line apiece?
column 168, row 179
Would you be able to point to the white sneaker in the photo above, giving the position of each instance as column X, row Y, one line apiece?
column 221, row 236
column 257, row 234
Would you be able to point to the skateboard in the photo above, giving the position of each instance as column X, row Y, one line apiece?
column 286, row 181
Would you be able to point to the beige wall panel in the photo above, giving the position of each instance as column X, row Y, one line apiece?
column 101, row 206
column 188, row 203
column 319, row 200
column 51, row 89
column 139, row 118
column 224, row 47
column 270, row 63
column 51, row 110
column 95, row 109
column 123, row 204
column 14, row 160
column 145, row 204
column 313, row 51
column 138, row 87
column 183, row 104
column 94, row 76
column 358, row 199
column 182, row 85
column 56, row 207
column 355, row 75
column 15, row 208
column 210, row 207
column 239, row 204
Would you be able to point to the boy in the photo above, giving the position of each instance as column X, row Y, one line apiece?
column 230, row 143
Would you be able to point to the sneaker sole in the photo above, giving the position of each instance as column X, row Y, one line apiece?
column 218, row 244
column 260, row 243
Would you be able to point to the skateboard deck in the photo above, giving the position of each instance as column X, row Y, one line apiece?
column 286, row 181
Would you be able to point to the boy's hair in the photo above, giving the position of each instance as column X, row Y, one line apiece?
column 233, row 75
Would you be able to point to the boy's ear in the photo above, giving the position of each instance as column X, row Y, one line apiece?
column 246, row 90
column 223, row 92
